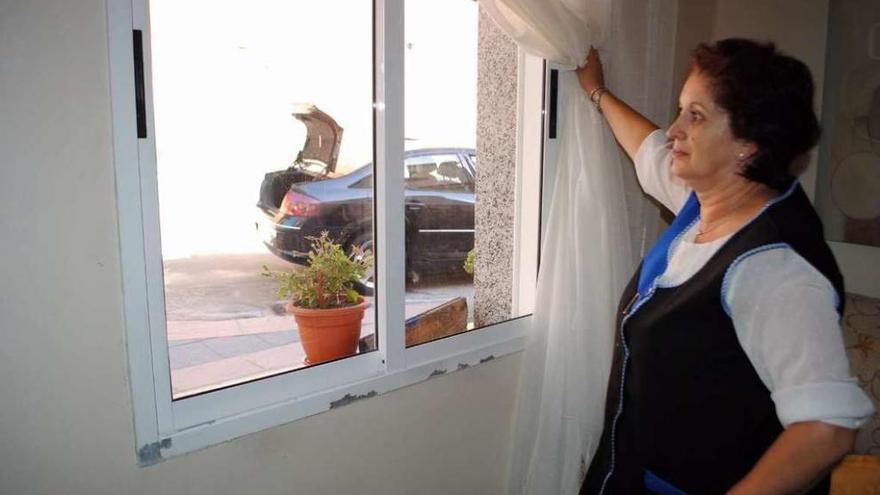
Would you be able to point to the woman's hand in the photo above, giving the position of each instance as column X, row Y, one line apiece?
column 629, row 127
column 590, row 74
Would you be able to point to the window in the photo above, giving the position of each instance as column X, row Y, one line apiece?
column 235, row 147
column 292, row 127
column 438, row 173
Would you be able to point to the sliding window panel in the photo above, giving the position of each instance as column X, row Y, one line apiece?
column 460, row 171
column 264, row 140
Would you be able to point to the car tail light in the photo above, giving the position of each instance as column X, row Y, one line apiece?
column 299, row 205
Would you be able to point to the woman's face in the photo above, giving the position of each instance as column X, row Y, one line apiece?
column 704, row 152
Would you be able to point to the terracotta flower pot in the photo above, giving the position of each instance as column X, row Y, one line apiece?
column 328, row 334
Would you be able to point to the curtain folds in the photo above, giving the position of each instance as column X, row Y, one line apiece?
column 560, row 31
column 598, row 226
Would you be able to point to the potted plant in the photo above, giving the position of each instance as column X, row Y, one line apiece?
column 327, row 309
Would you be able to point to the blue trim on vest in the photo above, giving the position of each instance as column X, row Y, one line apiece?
column 725, row 282
column 657, row 259
column 728, row 274
column 788, row 192
column 794, row 185
column 654, row 265
column 655, row 484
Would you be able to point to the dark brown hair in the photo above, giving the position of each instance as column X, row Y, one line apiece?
column 769, row 97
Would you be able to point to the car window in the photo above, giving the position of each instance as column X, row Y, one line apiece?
column 442, row 172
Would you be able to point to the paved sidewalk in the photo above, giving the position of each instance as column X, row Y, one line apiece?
column 205, row 355
column 222, row 372
column 225, row 324
column 208, row 354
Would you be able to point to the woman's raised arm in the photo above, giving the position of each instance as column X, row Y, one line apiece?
column 629, row 127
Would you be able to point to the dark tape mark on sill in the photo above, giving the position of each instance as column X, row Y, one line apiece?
column 487, row 358
column 152, row 453
column 437, row 373
column 348, row 399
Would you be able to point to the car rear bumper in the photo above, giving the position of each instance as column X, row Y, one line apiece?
column 283, row 240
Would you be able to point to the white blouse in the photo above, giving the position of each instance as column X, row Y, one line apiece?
column 782, row 308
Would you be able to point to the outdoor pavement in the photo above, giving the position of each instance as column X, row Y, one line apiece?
column 226, row 324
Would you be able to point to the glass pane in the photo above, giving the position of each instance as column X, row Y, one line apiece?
column 251, row 104
column 459, row 231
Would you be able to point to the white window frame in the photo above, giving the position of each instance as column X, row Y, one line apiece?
column 164, row 427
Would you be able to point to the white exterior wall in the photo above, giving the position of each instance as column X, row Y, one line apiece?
column 65, row 407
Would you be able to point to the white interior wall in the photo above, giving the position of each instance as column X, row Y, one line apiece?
column 65, row 413
column 65, row 409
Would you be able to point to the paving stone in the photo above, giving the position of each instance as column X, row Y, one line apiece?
column 176, row 343
column 213, row 375
column 267, row 324
column 236, row 346
column 279, row 358
column 192, row 354
column 279, row 338
column 201, row 329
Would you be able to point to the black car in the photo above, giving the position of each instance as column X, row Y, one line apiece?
column 307, row 198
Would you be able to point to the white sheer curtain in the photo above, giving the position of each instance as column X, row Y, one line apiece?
column 599, row 224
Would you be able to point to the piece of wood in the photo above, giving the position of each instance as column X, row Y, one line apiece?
column 447, row 319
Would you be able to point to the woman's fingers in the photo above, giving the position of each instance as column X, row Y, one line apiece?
column 590, row 74
column 592, row 55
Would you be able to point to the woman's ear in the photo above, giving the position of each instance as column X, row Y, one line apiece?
column 745, row 151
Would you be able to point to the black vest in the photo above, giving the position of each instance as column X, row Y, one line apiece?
column 684, row 404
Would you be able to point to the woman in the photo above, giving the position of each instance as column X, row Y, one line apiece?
column 729, row 374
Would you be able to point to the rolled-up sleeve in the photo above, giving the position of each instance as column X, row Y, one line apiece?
column 840, row 402
column 784, row 313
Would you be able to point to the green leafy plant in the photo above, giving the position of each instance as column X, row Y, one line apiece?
column 328, row 280
column 469, row 261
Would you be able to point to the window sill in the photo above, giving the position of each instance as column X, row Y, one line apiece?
column 458, row 354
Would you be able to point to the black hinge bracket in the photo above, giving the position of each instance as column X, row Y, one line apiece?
column 554, row 97
column 139, row 94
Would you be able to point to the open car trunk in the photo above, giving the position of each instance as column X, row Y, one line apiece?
column 315, row 161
